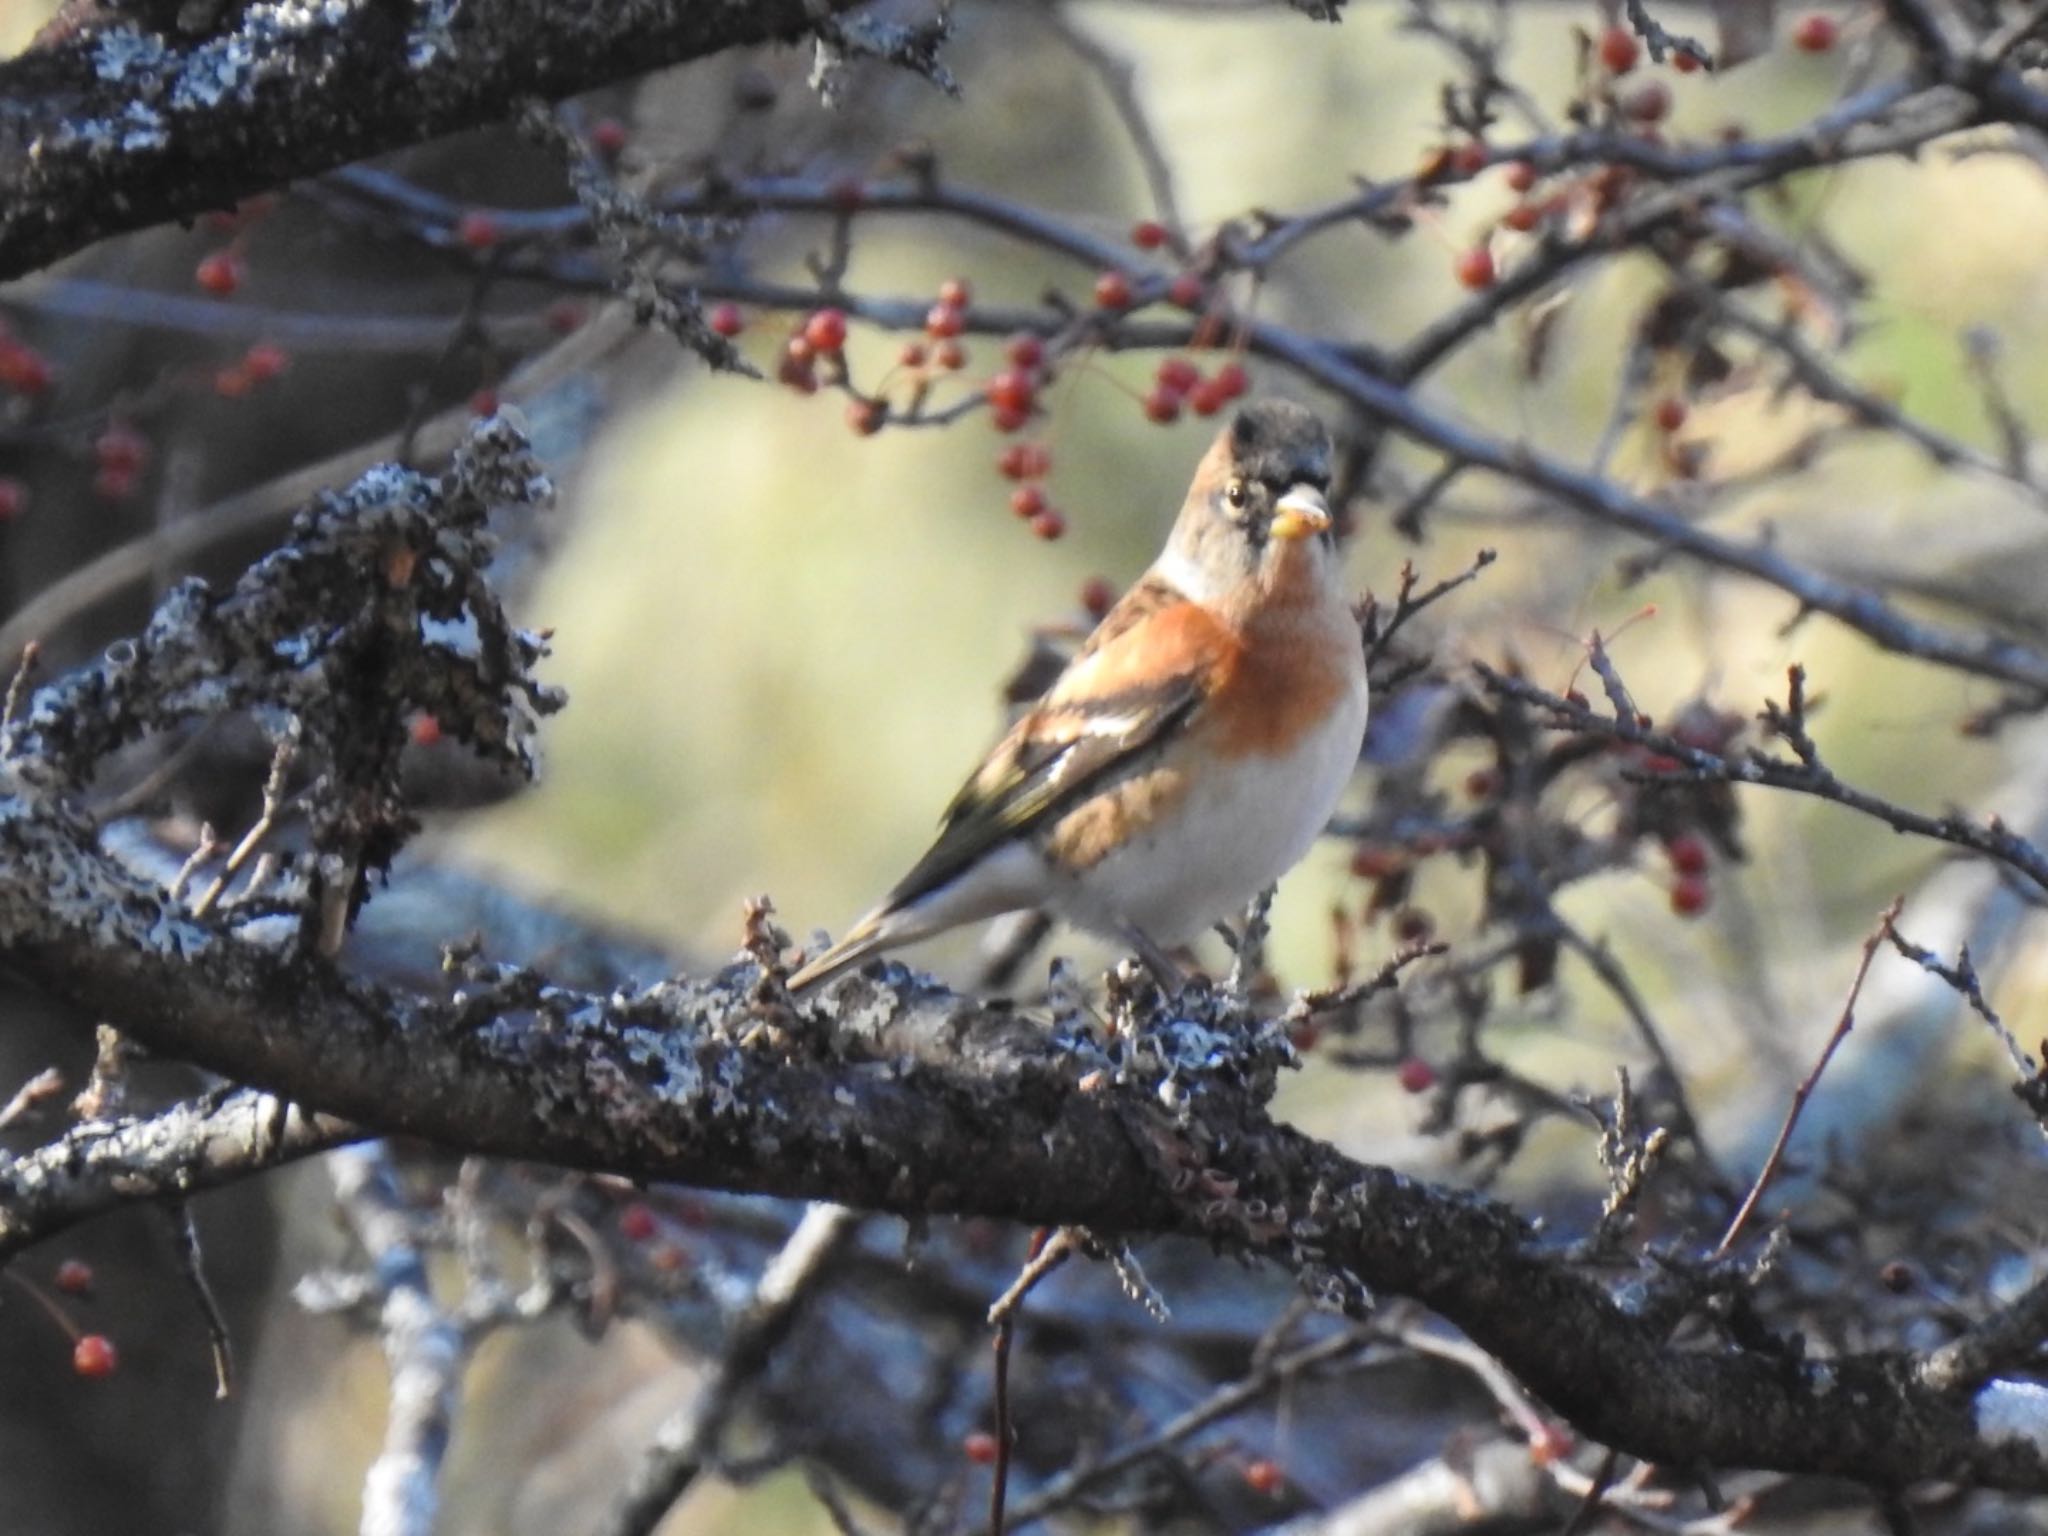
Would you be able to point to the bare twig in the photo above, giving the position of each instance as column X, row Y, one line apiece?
column 1811, row 1081
column 688, row 1439
column 192, row 1265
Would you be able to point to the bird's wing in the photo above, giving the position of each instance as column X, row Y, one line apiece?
column 1144, row 673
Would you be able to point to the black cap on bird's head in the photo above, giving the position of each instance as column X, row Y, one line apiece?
column 1281, row 444
column 1257, row 497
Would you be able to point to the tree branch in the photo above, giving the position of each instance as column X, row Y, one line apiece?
column 114, row 127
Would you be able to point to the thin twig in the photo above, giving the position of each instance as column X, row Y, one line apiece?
column 192, row 1265
column 687, row 1440
column 1804, row 1091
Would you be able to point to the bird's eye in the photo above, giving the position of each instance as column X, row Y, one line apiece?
column 1235, row 494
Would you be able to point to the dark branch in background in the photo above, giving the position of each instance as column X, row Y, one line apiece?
column 1686, row 763
column 687, row 1441
column 897, row 1096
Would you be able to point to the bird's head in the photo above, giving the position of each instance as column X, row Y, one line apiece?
column 1255, row 517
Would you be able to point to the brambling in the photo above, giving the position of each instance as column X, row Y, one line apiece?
column 1195, row 745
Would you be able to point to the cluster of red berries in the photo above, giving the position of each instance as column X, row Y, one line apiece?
column 93, row 1355
column 1012, row 396
column 639, row 1225
column 1013, row 393
column 1690, row 861
column 264, row 361
column 821, row 338
column 120, row 453
column 1179, row 382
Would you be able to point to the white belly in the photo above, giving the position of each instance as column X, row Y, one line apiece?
column 1239, row 830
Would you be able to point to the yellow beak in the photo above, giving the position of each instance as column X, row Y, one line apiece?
column 1300, row 513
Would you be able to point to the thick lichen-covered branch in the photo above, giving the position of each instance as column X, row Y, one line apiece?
column 117, row 126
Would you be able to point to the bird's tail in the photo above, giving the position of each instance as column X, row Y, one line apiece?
column 884, row 928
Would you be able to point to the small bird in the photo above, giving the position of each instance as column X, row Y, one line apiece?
column 1195, row 745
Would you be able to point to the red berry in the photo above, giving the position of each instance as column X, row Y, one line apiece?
column 1482, row 783
column 980, row 1448
column 846, row 193
column 865, row 417
column 1662, row 763
column 955, row 294
column 1469, row 158
column 1303, row 1035
column 1014, row 461
column 94, row 1356
column 1024, row 350
column 1685, row 61
column 1619, row 49
column 1232, row 380
column 565, row 316
column 726, row 320
column 265, row 360
column 74, row 1277
column 1097, row 596
column 1148, row 234
column 826, row 331
column 219, row 273
column 1412, row 924
column 1690, row 896
column 1006, row 418
column 944, row 320
column 1687, row 852
column 668, row 1258
column 1014, row 389
column 1113, row 291
column 1188, row 291
column 795, row 370
column 1474, row 267
column 425, row 729
column 484, row 402
column 1814, row 33
column 608, row 137
column 949, row 354
column 120, row 448
column 637, row 1222
column 233, row 383
column 1521, row 175
column 13, row 499
column 1415, row 1075
column 1669, row 414
column 1178, row 375
column 912, row 355
column 1522, row 218
column 1263, row 1476
column 477, row 230
column 1162, row 406
column 1027, row 501
column 1649, row 102
column 1049, row 524
column 114, row 484
column 23, row 369
column 1207, row 398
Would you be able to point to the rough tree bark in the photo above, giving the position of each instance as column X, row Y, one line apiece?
column 116, row 127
